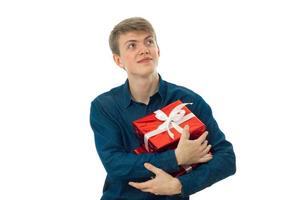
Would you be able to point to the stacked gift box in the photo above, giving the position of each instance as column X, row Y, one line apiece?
column 161, row 130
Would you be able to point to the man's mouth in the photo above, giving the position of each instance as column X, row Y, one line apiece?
column 145, row 60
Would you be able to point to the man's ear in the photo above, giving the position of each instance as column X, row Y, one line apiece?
column 118, row 61
column 158, row 51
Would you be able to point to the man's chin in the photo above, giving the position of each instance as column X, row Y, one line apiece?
column 146, row 73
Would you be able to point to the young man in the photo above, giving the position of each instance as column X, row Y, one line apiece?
column 146, row 176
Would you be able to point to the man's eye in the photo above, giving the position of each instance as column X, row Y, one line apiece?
column 131, row 46
column 150, row 42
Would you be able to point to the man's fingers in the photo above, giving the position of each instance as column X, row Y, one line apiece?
column 186, row 132
column 206, row 150
column 146, row 190
column 202, row 137
column 152, row 168
column 140, row 186
column 205, row 158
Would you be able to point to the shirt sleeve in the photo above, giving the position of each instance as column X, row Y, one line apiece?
column 223, row 163
column 119, row 164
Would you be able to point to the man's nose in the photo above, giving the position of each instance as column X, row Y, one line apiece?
column 144, row 50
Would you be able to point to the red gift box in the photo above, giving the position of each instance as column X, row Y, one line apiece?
column 161, row 130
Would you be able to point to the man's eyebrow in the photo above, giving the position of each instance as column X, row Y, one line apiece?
column 146, row 38
column 149, row 36
column 128, row 41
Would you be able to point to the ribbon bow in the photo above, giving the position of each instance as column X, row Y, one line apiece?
column 174, row 117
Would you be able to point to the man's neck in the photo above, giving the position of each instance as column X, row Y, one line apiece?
column 142, row 88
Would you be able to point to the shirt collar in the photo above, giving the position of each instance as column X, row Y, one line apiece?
column 126, row 96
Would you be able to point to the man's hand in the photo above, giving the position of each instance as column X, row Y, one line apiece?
column 162, row 184
column 192, row 151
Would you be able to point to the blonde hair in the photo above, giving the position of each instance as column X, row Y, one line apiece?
column 128, row 25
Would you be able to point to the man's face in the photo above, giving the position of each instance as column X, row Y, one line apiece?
column 139, row 53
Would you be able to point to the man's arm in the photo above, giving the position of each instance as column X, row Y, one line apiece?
column 223, row 163
column 120, row 164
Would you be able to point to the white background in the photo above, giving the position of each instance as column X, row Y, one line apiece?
column 241, row 56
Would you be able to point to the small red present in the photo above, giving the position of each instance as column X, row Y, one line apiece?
column 182, row 170
column 161, row 130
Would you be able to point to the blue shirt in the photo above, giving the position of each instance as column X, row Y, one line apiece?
column 111, row 119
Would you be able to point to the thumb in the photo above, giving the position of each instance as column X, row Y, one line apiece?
column 152, row 168
column 186, row 133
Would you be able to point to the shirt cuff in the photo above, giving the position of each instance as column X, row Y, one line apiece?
column 184, row 183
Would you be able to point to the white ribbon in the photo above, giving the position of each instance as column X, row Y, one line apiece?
column 187, row 168
column 176, row 117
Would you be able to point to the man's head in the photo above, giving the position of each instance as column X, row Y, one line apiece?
column 134, row 47
column 134, row 24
